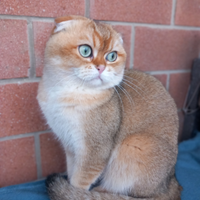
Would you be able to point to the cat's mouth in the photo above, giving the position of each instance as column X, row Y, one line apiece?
column 97, row 81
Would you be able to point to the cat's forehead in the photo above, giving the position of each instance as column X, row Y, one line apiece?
column 103, row 37
column 104, row 30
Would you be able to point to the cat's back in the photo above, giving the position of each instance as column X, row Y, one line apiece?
column 143, row 86
column 146, row 92
column 147, row 105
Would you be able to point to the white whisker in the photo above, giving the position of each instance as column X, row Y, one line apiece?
column 72, row 75
column 134, row 80
column 133, row 84
column 82, row 83
column 134, row 89
column 120, row 99
column 127, row 95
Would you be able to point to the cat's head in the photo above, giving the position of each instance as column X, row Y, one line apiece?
column 92, row 53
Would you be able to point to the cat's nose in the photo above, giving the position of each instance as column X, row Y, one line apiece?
column 100, row 68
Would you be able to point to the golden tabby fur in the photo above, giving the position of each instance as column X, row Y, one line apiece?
column 119, row 128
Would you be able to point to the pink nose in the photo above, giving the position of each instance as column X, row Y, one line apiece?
column 100, row 68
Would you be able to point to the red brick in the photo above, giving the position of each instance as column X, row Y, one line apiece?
column 188, row 13
column 126, row 32
column 45, row 8
column 14, row 56
column 165, row 49
column 52, row 155
column 145, row 11
column 162, row 78
column 178, row 87
column 42, row 31
column 17, row 161
column 19, row 110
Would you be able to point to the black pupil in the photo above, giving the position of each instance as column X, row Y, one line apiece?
column 113, row 56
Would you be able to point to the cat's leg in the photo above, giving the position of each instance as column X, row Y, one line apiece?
column 70, row 163
column 140, row 166
column 87, row 169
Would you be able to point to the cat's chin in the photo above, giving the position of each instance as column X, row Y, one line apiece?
column 99, row 84
column 96, row 82
column 97, row 79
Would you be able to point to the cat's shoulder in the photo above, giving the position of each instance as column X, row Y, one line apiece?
column 142, row 77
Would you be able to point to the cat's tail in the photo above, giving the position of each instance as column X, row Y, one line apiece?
column 58, row 188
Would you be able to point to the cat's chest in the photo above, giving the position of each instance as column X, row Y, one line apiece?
column 67, row 124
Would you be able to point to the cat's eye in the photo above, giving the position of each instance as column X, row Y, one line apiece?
column 85, row 51
column 111, row 57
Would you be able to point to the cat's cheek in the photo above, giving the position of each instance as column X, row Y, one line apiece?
column 111, row 76
column 55, row 61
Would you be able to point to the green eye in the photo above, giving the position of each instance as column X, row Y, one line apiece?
column 85, row 51
column 111, row 57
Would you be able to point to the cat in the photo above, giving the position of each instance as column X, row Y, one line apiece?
column 118, row 127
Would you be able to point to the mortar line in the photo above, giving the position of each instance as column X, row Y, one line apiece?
column 24, row 17
column 132, row 47
column 19, row 80
column 13, row 137
column 48, row 20
column 168, row 71
column 173, row 12
column 168, row 82
column 38, row 156
column 32, row 70
column 169, row 27
column 51, row 19
column 87, row 8
column 24, row 135
column 158, row 26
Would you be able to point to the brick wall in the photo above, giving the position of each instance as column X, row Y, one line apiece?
column 161, row 37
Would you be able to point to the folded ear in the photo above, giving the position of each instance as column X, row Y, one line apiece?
column 62, row 23
column 63, row 26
